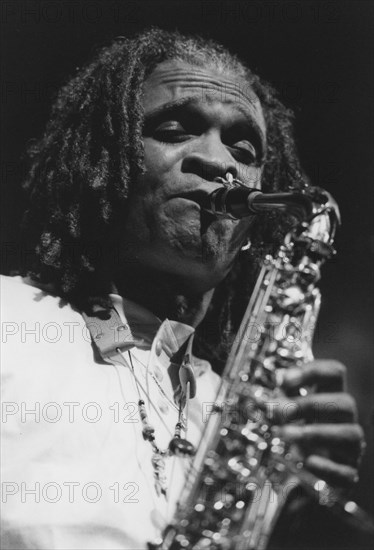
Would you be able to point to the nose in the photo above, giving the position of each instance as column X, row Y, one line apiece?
column 209, row 158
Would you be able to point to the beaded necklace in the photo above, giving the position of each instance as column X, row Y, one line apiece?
column 112, row 338
column 178, row 446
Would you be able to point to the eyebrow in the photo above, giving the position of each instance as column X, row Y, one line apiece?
column 173, row 107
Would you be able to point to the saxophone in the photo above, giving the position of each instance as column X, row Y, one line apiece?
column 242, row 474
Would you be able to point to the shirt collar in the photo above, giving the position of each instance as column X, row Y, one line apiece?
column 144, row 325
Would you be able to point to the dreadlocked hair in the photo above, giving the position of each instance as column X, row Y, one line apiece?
column 91, row 154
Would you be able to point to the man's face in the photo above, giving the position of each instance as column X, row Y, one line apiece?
column 198, row 125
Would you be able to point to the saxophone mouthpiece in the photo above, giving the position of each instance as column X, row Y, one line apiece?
column 229, row 202
column 233, row 202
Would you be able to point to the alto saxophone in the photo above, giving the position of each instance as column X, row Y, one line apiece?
column 242, row 474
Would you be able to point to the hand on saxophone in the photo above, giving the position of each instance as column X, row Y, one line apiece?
column 323, row 425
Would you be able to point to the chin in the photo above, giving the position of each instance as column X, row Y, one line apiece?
column 203, row 274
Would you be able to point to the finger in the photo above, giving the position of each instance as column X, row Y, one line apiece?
column 335, row 474
column 341, row 442
column 327, row 375
column 324, row 408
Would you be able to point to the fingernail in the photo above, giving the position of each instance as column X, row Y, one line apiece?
column 275, row 431
column 292, row 377
column 279, row 377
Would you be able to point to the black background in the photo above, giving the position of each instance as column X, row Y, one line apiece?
column 318, row 54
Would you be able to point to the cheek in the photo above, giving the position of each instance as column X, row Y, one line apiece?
column 177, row 223
column 159, row 162
column 251, row 176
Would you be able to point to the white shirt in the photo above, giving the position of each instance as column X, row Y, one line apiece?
column 77, row 473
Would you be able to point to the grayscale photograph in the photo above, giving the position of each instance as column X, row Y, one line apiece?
column 186, row 274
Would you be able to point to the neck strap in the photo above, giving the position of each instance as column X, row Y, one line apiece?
column 111, row 334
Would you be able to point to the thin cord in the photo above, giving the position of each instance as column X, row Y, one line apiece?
column 184, row 418
column 139, row 384
column 156, row 382
column 188, row 459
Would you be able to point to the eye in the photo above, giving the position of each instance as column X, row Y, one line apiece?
column 243, row 151
column 171, row 131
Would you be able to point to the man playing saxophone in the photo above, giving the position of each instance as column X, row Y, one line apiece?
column 121, row 252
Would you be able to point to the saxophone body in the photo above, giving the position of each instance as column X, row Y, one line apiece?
column 242, row 474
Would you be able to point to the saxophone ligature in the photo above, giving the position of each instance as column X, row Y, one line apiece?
column 240, row 478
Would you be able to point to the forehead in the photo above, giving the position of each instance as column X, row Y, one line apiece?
column 176, row 80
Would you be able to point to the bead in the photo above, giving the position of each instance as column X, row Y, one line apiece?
column 158, row 347
column 158, row 373
column 164, row 408
column 158, row 462
column 148, row 432
column 181, row 447
column 143, row 414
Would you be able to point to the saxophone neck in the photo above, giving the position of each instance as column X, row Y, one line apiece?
column 309, row 206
